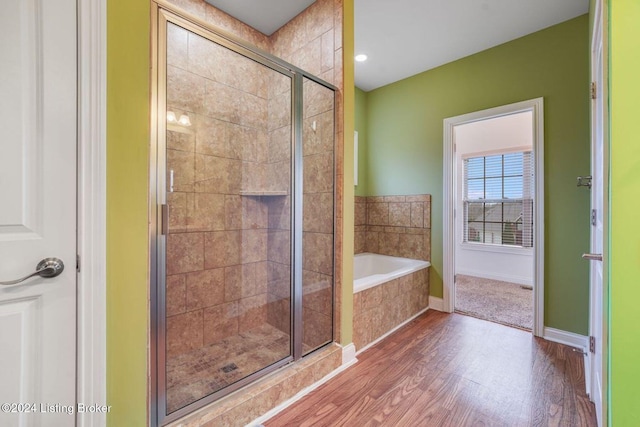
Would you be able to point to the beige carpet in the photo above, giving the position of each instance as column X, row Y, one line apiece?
column 500, row 302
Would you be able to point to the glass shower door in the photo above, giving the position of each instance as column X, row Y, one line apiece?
column 227, row 300
column 318, row 113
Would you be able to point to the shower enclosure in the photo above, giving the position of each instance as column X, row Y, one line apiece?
column 242, row 208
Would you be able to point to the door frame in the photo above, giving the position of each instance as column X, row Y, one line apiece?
column 600, row 36
column 91, row 205
column 536, row 106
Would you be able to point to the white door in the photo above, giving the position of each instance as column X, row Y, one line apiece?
column 597, row 215
column 37, row 211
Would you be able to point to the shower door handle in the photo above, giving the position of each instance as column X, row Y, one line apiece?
column 592, row 257
column 47, row 268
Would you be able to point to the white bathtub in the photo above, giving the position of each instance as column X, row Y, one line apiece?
column 371, row 270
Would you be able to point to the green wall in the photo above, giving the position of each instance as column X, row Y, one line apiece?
column 361, row 127
column 404, row 139
column 624, row 259
column 127, row 226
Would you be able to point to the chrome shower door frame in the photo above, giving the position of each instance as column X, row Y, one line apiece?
column 163, row 13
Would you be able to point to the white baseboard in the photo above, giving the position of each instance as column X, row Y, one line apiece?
column 436, row 303
column 521, row 280
column 567, row 338
column 348, row 352
column 377, row 340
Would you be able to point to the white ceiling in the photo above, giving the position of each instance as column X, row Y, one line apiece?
column 405, row 37
column 265, row 16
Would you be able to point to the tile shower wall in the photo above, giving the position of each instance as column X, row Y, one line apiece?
column 312, row 41
column 218, row 258
column 279, row 208
column 394, row 225
column 318, row 218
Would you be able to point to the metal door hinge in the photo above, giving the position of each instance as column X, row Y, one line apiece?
column 78, row 263
column 592, row 344
column 593, row 90
column 594, row 217
column 584, row 181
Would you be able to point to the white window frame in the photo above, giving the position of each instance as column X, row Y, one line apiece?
column 527, row 192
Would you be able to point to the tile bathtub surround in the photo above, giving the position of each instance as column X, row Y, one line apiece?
column 394, row 225
column 360, row 222
column 379, row 309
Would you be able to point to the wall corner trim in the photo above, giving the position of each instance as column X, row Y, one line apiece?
column 436, row 303
column 91, row 369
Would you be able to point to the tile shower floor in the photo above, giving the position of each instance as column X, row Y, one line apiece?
column 194, row 375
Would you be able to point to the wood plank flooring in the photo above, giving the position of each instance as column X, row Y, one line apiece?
column 452, row 370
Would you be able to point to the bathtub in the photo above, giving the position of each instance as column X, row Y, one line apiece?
column 371, row 270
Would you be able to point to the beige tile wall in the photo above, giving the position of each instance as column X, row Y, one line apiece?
column 394, row 225
column 360, row 222
column 313, row 42
column 318, row 220
column 220, row 241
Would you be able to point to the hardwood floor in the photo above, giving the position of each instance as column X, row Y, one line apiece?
column 452, row 370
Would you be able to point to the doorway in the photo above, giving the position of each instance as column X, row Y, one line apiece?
column 494, row 232
column 493, row 215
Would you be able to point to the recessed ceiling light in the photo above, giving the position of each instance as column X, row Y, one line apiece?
column 361, row 57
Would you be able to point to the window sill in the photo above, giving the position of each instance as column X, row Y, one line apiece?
column 486, row 247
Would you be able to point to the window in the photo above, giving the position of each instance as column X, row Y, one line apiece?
column 497, row 199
